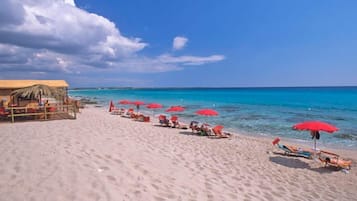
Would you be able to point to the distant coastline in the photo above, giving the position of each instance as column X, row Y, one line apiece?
column 210, row 88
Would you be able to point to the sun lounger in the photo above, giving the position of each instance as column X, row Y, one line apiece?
column 128, row 113
column 164, row 121
column 218, row 133
column 118, row 111
column 202, row 129
column 293, row 150
column 141, row 117
column 175, row 122
column 332, row 159
column 194, row 127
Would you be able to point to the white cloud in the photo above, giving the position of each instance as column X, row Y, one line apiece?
column 50, row 37
column 190, row 60
column 61, row 27
column 179, row 42
column 70, row 2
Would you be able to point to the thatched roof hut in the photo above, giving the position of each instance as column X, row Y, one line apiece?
column 8, row 86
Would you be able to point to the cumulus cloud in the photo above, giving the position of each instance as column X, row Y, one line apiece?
column 179, row 42
column 61, row 27
column 39, row 37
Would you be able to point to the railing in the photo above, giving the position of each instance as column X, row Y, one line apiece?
column 43, row 112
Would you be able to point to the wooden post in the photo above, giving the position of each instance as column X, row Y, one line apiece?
column 45, row 112
column 12, row 115
column 75, row 114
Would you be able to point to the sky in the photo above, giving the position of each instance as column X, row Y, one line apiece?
column 180, row 43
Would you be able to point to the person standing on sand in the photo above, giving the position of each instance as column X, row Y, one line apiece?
column 315, row 134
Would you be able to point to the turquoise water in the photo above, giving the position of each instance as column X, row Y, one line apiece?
column 253, row 111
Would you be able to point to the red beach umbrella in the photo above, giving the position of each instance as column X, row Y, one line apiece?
column 314, row 127
column 137, row 103
column 175, row 109
column 124, row 102
column 154, row 106
column 207, row 112
column 111, row 106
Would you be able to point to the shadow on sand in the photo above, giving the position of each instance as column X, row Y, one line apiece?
column 287, row 161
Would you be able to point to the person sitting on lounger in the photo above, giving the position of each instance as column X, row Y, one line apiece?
column 217, row 130
column 194, row 126
column 333, row 159
column 163, row 120
column 205, row 130
column 293, row 150
column 175, row 122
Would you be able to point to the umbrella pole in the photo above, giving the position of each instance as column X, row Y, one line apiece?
column 315, row 143
column 315, row 151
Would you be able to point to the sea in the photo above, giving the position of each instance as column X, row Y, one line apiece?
column 268, row 112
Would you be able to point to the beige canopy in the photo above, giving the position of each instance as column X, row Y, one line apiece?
column 17, row 84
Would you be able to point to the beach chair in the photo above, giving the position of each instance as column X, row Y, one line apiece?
column 194, row 127
column 205, row 130
column 116, row 111
column 128, row 113
column 175, row 122
column 141, row 118
column 332, row 159
column 293, row 150
column 3, row 112
column 164, row 121
column 218, row 133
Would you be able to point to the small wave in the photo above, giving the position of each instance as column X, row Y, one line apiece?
column 346, row 136
column 229, row 108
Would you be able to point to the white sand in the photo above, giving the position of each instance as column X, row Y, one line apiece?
column 100, row 156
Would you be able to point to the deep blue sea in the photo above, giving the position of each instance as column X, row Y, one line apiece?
column 253, row 111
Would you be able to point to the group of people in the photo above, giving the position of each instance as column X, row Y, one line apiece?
column 203, row 129
column 129, row 113
column 173, row 122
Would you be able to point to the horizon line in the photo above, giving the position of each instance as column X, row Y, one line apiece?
column 247, row 87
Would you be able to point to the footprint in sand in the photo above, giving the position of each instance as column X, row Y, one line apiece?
column 17, row 169
column 159, row 198
column 155, row 186
column 111, row 178
column 94, row 185
column 118, row 161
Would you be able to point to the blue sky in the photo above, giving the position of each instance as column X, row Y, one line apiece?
column 231, row 43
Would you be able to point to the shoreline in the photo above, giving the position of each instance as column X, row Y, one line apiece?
column 264, row 121
column 290, row 140
column 257, row 87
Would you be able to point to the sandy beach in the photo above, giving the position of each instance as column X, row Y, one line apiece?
column 105, row 157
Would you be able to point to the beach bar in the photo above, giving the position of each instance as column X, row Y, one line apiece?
column 42, row 106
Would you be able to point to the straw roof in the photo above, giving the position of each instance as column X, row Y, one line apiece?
column 16, row 84
column 38, row 90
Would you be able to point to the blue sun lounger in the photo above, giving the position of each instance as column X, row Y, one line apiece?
column 292, row 150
